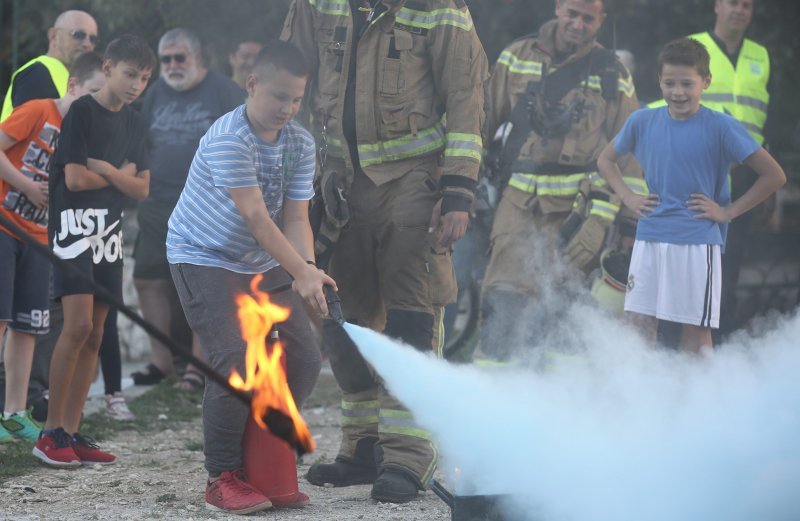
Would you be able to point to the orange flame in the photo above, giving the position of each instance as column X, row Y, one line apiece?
column 264, row 368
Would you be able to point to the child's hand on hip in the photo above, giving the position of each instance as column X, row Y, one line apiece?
column 708, row 208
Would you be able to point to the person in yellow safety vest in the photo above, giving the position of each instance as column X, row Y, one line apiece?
column 741, row 85
column 567, row 96
column 397, row 180
column 73, row 33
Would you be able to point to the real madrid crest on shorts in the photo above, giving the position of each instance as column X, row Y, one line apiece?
column 630, row 282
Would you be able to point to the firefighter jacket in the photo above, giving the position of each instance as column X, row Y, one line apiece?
column 739, row 90
column 416, row 61
column 551, row 171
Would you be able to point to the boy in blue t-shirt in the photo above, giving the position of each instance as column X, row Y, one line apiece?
column 686, row 151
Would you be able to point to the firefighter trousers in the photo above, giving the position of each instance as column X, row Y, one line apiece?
column 526, row 277
column 391, row 278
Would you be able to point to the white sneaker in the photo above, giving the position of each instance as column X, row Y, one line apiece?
column 117, row 408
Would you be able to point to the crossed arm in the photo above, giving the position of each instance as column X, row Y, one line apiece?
column 100, row 174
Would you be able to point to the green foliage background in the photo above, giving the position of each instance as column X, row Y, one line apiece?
column 641, row 26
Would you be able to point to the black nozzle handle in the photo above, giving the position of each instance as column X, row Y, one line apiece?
column 443, row 493
column 334, row 304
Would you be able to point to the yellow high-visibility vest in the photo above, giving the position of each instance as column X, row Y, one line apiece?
column 58, row 73
column 740, row 91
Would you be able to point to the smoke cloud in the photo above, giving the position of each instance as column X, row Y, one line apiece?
column 619, row 432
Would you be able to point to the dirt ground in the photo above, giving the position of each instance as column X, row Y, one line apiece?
column 160, row 476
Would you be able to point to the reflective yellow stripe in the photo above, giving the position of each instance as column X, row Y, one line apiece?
column 519, row 66
column 485, row 362
column 394, row 421
column 360, row 413
column 437, row 17
column 755, row 103
column 463, row 145
column 567, row 185
column 334, row 7
column 638, row 186
column 335, row 148
column 426, row 141
column 426, row 477
column 604, row 209
column 554, row 185
column 551, row 358
column 717, row 97
column 625, row 86
column 352, row 406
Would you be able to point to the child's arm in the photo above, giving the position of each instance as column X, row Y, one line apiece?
column 608, row 167
column 770, row 178
column 297, row 228
column 127, row 179
column 79, row 177
column 36, row 192
column 308, row 280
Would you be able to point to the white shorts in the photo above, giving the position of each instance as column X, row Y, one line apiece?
column 675, row 282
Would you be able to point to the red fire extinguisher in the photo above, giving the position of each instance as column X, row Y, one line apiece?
column 269, row 462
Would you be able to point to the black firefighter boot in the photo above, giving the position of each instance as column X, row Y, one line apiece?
column 343, row 472
column 394, row 485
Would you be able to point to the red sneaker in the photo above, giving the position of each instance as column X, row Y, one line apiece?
column 232, row 494
column 54, row 447
column 88, row 451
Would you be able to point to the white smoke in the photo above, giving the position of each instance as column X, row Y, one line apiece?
column 623, row 432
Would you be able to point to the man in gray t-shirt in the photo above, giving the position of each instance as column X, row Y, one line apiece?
column 179, row 108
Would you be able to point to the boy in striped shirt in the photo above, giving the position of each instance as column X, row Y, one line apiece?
column 242, row 212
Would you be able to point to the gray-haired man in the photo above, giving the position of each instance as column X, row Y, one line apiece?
column 179, row 108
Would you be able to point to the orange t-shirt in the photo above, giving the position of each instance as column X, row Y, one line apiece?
column 35, row 125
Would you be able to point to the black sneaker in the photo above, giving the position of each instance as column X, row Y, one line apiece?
column 394, row 486
column 341, row 473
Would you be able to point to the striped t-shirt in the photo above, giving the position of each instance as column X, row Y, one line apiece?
column 205, row 228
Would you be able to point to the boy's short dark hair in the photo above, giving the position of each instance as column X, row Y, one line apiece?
column 283, row 56
column 85, row 65
column 688, row 52
column 132, row 49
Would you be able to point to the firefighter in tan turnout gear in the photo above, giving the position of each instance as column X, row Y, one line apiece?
column 565, row 97
column 396, row 103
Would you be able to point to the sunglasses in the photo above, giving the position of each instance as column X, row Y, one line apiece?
column 166, row 58
column 81, row 35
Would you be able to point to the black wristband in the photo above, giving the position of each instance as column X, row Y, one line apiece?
column 455, row 202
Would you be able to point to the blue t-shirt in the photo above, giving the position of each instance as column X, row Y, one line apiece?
column 205, row 228
column 679, row 158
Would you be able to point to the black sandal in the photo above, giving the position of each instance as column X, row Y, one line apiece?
column 192, row 380
column 153, row 375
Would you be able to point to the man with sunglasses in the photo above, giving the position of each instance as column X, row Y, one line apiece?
column 72, row 34
column 179, row 108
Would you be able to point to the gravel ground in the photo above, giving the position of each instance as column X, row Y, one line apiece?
column 160, row 476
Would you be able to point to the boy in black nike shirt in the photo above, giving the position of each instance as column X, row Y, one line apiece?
column 100, row 157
